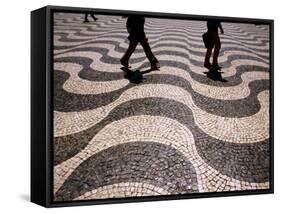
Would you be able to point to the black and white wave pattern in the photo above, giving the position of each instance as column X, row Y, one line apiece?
column 178, row 131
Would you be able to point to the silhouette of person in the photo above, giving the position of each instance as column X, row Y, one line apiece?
column 92, row 15
column 212, row 40
column 135, row 28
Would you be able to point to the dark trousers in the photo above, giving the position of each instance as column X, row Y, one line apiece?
column 86, row 16
column 146, row 48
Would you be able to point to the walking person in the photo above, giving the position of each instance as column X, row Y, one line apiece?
column 92, row 15
column 212, row 41
column 135, row 28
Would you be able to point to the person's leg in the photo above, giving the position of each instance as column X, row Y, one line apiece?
column 207, row 63
column 152, row 59
column 125, row 59
column 216, row 50
column 93, row 16
column 211, row 43
column 86, row 18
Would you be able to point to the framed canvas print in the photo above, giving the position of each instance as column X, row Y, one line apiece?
column 140, row 106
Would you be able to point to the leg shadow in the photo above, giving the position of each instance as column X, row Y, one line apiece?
column 136, row 76
column 215, row 74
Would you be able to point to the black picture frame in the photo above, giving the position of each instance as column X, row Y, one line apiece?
column 42, row 111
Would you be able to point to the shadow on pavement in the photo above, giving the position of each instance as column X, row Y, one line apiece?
column 134, row 76
column 215, row 74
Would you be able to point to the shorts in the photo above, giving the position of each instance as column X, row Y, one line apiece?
column 210, row 39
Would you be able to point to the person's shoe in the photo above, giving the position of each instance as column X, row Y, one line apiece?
column 155, row 66
column 124, row 63
column 95, row 19
column 86, row 21
column 207, row 65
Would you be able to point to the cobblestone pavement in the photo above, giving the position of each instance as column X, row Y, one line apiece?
column 178, row 131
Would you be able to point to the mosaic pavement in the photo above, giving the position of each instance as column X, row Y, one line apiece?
column 178, row 131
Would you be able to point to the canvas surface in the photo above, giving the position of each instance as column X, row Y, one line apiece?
column 180, row 130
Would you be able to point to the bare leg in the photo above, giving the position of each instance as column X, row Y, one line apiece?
column 125, row 59
column 207, row 63
column 216, row 51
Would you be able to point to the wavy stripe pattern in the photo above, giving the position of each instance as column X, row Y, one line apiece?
column 177, row 132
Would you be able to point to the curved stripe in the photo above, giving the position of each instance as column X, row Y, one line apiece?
column 99, row 65
column 150, row 128
column 230, row 158
column 246, row 162
column 79, row 86
column 198, row 51
column 193, row 28
column 199, row 26
column 159, row 22
column 184, row 32
column 191, row 25
column 113, row 49
column 197, row 54
column 192, row 41
column 224, row 93
column 164, row 44
column 104, row 21
column 248, row 130
column 74, row 34
column 63, row 37
column 243, row 58
column 95, row 75
column 69, row 102
column 79, row 33
column 188, row 31
column 110, row 20
column 123, row 189
column 150, row 162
